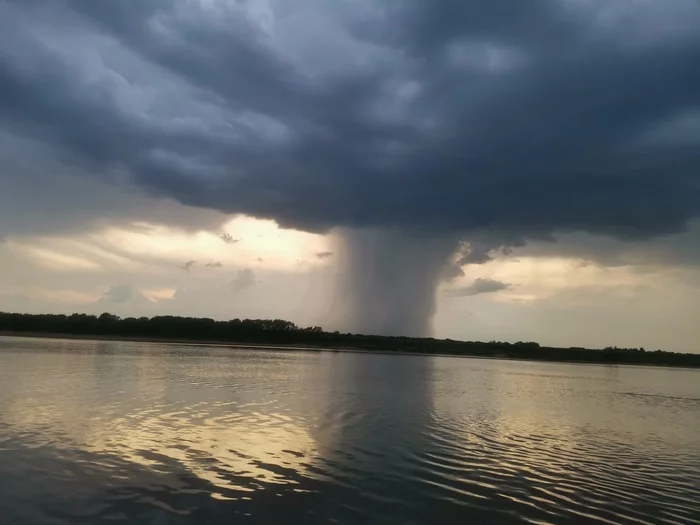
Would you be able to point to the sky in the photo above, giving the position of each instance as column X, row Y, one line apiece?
column 483, row 171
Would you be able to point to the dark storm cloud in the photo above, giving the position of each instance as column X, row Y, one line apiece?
column 501, row 119
column 478, row 251
column 39, row 195
column 675, row 250
column 479, row 286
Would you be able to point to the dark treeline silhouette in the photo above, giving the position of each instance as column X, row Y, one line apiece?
column 279, row 332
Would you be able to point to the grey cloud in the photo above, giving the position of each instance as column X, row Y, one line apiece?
column 502, row 121
column 475, row 252
column 682, row 249
column 479, row 286
column 189, row 265
column 121, row 299
column 244, row 279
column 216, row 264
column 324, row 255
column 228, row 238
column 120, row 293
column 40, row 195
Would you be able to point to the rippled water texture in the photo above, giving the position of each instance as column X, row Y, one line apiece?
column 157, row 433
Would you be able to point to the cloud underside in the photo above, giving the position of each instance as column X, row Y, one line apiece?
column 478, row 287
column 503, row 120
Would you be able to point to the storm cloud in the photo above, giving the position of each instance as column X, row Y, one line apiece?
column 421, row 115
column 495, row 123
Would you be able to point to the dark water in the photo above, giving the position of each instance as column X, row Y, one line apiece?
column 94, row 432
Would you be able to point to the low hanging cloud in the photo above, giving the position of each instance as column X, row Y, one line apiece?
column 324, row 255
column 189, row 265
column 121, row 299
column 478, row 287
column 502, row 120
column 228, row 238
column 472, row 253
column 244, row 279
column 119, row 293
column 216, row 264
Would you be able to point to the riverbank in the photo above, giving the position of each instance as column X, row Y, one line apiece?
column 164, row 340
column 230, row 344
column 317, row 348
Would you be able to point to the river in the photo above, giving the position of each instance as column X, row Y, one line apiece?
column 109, row 431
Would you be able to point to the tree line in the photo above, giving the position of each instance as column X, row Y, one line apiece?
column 281, row 332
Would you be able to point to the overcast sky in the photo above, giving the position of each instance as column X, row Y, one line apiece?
column 208, row 158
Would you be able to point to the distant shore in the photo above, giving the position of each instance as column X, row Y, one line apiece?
column 177, row 341
column 312, row 348
column 285, row 335
column 233, row 344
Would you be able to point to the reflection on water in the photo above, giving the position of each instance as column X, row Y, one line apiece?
column 151, row 433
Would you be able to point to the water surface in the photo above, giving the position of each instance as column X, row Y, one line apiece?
column 105, row 431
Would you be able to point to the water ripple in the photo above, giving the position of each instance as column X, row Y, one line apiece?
column 143, row 434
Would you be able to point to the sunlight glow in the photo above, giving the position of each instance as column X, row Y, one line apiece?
column 52, row 259
column 256, row 243
column 533, row 278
